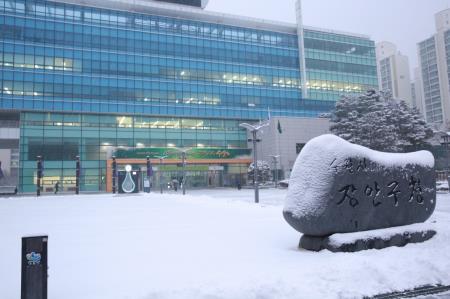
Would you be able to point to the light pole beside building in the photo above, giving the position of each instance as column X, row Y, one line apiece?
column 254, row 130
column 183, row 180
column 275, row 160
column 77, row 174
column 161, row 158
column 114, row 174
column 183, row 164
column 149, row 175
column 39, row 175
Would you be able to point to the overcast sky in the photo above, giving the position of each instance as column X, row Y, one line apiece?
column 403, row 22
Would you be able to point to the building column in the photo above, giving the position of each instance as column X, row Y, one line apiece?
column 301, row 47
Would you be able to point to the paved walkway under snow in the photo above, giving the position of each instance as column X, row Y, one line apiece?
column 207, row 244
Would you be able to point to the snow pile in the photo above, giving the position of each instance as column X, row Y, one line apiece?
column 207, row 244
column 312, row 174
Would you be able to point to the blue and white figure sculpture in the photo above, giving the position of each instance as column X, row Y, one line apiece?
column 128, row 184
column 33, row 258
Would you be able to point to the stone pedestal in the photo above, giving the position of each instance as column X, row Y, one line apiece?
column 375, row 239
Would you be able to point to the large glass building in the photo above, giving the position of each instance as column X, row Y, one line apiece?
column 98, row 79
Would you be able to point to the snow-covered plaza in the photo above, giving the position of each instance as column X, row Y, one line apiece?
column 207, row 244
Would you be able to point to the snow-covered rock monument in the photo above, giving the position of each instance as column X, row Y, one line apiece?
column 340, row 188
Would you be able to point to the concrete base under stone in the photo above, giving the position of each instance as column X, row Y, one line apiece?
column 314, row 243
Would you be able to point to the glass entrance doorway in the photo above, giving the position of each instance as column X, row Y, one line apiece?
column 168, row 173
column 195, row 177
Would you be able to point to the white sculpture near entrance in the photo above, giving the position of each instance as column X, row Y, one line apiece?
column 128, row 184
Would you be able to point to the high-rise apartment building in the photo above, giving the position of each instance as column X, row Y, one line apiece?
column 416, row 91
column 434, row 63
column 131, row 79
column 393, row 71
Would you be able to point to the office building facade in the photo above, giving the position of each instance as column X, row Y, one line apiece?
column 93, row 78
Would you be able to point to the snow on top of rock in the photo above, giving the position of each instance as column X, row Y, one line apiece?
column 346, row 149
column 310, row 174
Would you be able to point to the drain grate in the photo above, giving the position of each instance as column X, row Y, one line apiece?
column 420, row 291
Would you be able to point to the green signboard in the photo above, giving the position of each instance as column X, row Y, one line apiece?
column 179, row 167
column 174, row 153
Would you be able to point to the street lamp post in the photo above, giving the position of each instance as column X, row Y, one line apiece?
column 183, row 180
column 183, row 164
column 161, row 158
column 149, row 175
column 77, row 175
column 275, row 160
column 39, row 175
column 254, row 130
column 114, row 174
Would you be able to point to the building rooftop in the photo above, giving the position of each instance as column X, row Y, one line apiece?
column 165, row 8
column 196, row 3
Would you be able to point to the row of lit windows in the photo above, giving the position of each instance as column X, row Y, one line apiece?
column 251, row 108
column 138, row 84
column 342, row 77
column 126, row 88
column 241, row 101
column 326, row 95
column 309, row 108
column 36, row 89
column 39, row 62
column 74, row 13
column 336, row 86
column 156, row 47
column 21, row 54
column 83, row 93
column 66, row 64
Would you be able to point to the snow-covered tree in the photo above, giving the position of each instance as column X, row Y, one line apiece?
column 378, row 121
column 263, row 171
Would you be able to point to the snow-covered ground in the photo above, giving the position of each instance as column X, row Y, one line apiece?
column 208, row 244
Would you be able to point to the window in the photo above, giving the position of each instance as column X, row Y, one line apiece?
column 299, row 147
